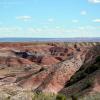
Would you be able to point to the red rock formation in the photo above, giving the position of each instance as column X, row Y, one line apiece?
column 59, row 62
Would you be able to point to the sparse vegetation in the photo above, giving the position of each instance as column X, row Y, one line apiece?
column 49, row 96
column 98, row 59
column 84, row 73
column 60, row 97
column 95, row 96
column 29, row 70
column 88, row 84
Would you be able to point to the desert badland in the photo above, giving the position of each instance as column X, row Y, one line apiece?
column 70, row 69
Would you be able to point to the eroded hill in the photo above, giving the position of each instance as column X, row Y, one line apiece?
column 66, row 68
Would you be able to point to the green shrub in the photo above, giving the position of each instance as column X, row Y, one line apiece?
column 75, row 97
column 60, row 97
column 88, row 83
column 44, row 96
column 95, row 96
column 98, row 59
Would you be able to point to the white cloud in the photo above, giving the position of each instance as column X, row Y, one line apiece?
column 57, row 27
column 88, row 27
column 81, row 28
column 9, row 29
column 52, row 31
column 50, row 19
column 1, row 23
column 83, row 12
column 96, row 20
column 45, row 27
column 75, row 21
column 24, row 18
column 94, row 1
column 81, row 31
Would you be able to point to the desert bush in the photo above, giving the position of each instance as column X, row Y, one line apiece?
column 88, row 83
column 60, row 97
column 92, row 69
column 43, row 96
column 95, row 96
column 48, row 96
column 82, row 73
column 98, row 59
column 75, row 97
column 78, row 76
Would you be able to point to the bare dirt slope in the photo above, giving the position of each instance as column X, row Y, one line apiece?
column 50, row 67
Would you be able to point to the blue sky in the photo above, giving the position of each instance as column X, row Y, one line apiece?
column 50, row 18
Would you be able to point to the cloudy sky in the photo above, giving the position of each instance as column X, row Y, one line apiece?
column 50, row 18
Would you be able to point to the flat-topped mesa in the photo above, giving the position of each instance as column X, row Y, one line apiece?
column 62, row 72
